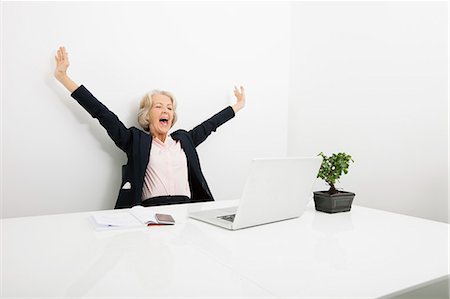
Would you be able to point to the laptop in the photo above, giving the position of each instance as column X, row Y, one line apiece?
column 276, row 189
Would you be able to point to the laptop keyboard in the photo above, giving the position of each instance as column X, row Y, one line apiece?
column 227, row 217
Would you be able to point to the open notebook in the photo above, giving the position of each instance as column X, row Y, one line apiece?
column 137, row 216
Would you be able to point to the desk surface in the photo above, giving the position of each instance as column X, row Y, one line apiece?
column 364, row 253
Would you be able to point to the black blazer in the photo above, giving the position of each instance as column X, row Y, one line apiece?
column 137, row 143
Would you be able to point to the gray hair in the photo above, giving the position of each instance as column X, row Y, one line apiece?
column 146, row 104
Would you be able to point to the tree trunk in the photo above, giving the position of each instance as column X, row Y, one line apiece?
column 332, row 189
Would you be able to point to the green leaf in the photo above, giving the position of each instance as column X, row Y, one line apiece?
column 333, row 167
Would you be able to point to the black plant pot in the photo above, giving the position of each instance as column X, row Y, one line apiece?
column 333, row 203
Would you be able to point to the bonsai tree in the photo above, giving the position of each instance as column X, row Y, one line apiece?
column 332, row 168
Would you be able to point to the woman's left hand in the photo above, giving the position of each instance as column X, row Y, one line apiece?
column 240, row 96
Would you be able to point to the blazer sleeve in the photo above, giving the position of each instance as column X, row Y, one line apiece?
column 203, row 130
column 114, row 127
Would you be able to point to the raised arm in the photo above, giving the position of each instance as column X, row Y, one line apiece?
column 62, row 64
column 202, row 131
column 114, row 127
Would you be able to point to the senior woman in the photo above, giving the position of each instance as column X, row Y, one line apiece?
column 162, row 168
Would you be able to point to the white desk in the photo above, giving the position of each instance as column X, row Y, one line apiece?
column 364, row 253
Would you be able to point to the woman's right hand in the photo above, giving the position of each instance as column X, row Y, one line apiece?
column 62, row 63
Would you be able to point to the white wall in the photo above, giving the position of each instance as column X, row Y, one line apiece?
column 371, row 79
column 367, row 78
column 56, row 158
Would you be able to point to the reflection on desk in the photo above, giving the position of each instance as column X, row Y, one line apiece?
column 363, row 253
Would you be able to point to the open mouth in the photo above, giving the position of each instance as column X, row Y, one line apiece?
column 164, row 121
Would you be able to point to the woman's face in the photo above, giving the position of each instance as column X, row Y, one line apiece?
column 161, row 115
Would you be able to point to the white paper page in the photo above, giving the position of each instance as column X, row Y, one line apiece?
column 145, row 215
column 121, row 219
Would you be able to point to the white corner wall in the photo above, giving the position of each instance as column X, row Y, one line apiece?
column 367, row 78
column 371, row 79
column 57, row 159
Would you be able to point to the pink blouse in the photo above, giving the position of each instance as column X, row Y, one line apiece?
column 166, row 172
